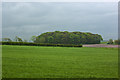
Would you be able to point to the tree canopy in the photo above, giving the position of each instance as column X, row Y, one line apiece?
column 66, row 37
column 6, row 39
column 18, row 39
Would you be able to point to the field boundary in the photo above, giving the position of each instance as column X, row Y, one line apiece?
column 39, row 44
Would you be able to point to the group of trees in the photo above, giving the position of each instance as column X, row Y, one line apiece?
column 17, row 39
column 6, row 40
column 111, row 41
column 117, row 41
column 66, row 37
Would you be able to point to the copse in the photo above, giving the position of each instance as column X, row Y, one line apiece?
column 66, row 37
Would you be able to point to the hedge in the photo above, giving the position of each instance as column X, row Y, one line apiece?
column 39, row 44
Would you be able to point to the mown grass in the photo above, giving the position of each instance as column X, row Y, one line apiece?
column 59, row 62
column 103, row 42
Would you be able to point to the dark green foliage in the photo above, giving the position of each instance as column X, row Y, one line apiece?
column 40, row 44
column 65, row 37
column 110, row 41
column 18, row 39
column 33, row 38
column 6, row 40
column 117, row 41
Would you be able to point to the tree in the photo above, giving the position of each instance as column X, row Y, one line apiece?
column 6, row 39
column 117, row 41
column 41, row 40
column 25, row 40
column 50, row 39
column 18, row 39
column 33, row 38
column 110, row 41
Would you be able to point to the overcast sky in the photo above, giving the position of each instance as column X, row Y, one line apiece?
column 28, row 19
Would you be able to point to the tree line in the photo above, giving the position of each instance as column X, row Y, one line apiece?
column 17, row 39
column 111, row 41
column 66, row 37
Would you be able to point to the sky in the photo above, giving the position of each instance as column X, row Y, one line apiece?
column 26, row 19
column 60, row 0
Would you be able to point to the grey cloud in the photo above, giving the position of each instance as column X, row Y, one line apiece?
column 27, row 19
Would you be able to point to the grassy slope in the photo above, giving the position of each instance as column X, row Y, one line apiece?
column 55, row 62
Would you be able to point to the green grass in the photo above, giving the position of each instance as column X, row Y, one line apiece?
column 59, row 62
column 103, row 42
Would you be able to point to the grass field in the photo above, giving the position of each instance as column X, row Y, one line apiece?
column 103, row 42
column 59, row 62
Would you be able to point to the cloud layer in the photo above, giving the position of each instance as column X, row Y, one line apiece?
column 28, row 19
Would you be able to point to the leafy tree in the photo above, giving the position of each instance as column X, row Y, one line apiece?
column 50, row 39
column 42, row 40
column 33, row 38
column 25, row 40
column 18, row 39
column 117, row 41
column 6, row 40
column 110, row 41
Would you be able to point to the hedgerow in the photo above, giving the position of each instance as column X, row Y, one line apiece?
column 39, row 44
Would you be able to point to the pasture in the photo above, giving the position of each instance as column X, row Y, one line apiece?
column 59, row 62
